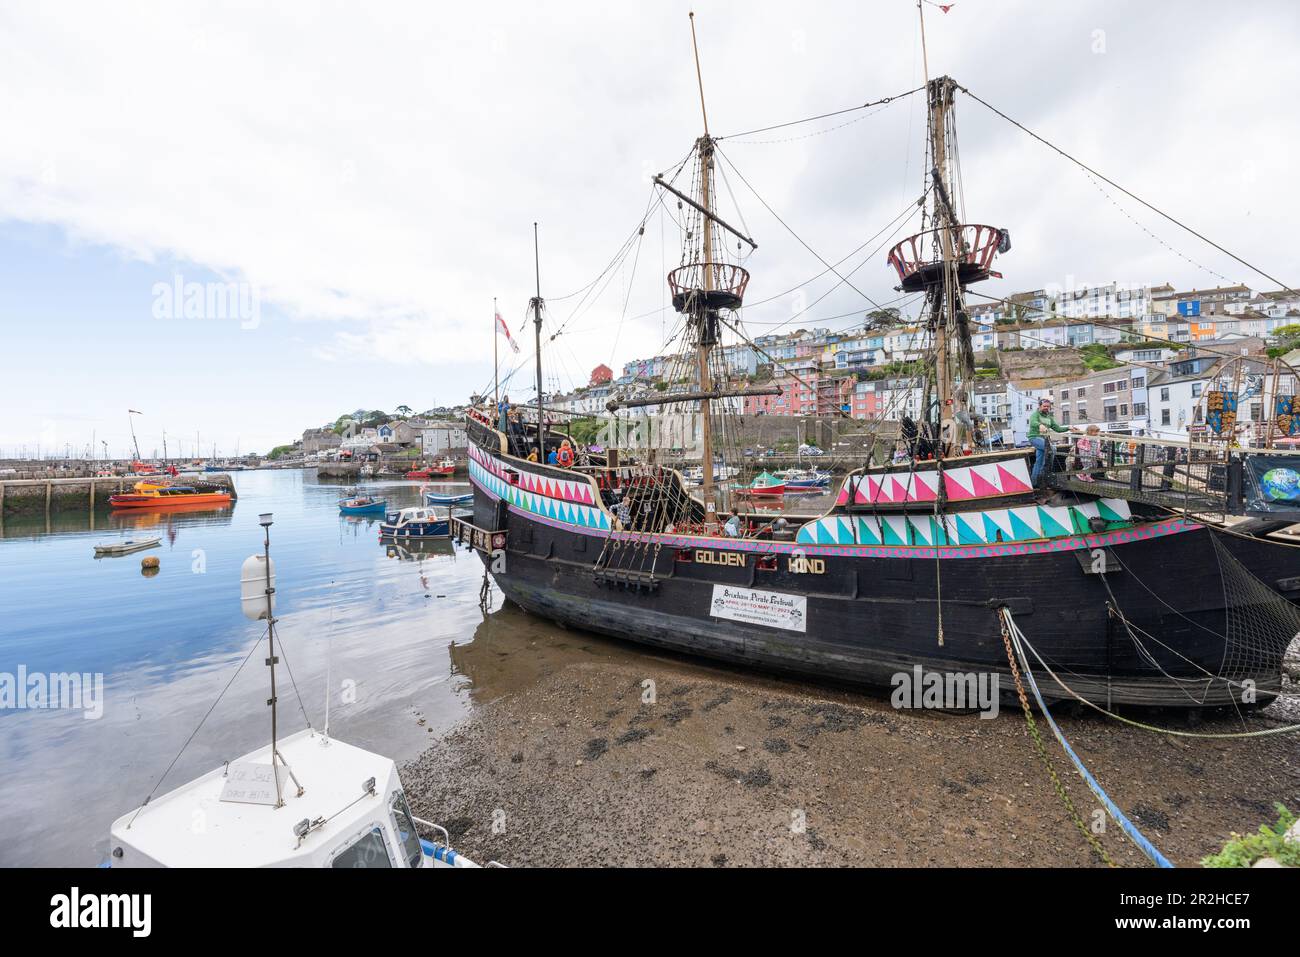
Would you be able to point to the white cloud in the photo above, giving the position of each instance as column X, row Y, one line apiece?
column 383, row 164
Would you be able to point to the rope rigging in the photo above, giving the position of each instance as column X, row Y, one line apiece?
column 1285, row 287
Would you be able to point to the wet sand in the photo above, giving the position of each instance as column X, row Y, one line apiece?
column 564, row 763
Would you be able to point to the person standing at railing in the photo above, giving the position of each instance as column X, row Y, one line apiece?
column 1088, row 448
column 1041, row 429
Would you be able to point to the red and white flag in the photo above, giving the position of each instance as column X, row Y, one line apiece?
column 505, row 331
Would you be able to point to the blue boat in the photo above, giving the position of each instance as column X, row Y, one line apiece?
column 363, row 506
column 441, row 498
column 804, row 480
column 430, row 521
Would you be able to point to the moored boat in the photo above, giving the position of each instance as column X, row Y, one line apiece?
column 126, row 547
column 363, row 505
column 305, row 800
column 448, row 498
column 764, row 484
column 1143, row 585
column 427, row 521
column 165, row 496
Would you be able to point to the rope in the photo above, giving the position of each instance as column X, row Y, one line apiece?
column 823, row 116
column 1132, row 196
column 1284, row 729
column 205, row 717
column 1011, row 633
column 1041, row 748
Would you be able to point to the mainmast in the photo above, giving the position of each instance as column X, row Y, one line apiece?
column 941, row 262
column 536, row 303
column 945, row 295
column 707, row 331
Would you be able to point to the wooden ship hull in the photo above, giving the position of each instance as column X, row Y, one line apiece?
column 863, row 613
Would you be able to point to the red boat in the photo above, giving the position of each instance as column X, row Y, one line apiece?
column 443, row 469
column 168, row 496
column 765, row 484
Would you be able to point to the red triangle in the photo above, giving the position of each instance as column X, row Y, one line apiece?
column 956, row 491
column 900, row 493
column 982, row 486
column 1009, row 482
column 920, row 491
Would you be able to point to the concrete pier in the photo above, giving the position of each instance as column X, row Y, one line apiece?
column 32, row 496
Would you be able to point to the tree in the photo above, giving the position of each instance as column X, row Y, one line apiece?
column 403, row 410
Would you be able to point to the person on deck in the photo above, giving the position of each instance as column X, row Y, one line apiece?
column 503, row 414
column 553, row 457
column 1041, row 428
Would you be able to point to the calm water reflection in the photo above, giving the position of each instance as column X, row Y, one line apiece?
column 382, row 619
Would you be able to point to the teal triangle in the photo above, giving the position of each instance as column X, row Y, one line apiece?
column 1051, row 527
column 991, row 531
column 581, row 516
column 938, row 534
column 1079, row 521
column 965, row 534
column 1109, row 514
column 890, row 536
column 1021, row 529
column 867, row 533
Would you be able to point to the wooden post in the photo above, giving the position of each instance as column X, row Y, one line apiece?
column 92, row 495
column 49, row 488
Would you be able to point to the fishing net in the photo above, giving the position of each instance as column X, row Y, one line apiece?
column 1260, row 624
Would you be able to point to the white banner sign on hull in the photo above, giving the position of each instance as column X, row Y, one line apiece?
column 755, row 606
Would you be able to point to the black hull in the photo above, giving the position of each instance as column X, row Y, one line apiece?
column 869, row 618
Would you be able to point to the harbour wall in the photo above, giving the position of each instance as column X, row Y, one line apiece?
column 26, row 496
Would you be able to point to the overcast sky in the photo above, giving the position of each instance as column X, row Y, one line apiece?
column 371, row 173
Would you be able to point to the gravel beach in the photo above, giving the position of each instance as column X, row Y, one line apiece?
column 576, row 760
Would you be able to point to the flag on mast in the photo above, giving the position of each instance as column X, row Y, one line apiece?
column 505, row 331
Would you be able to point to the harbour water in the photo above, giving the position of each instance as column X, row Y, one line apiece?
column 380, row 621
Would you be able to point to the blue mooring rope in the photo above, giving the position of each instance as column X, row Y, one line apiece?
column 1112, row 809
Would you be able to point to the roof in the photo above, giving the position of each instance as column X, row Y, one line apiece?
column 257, row 835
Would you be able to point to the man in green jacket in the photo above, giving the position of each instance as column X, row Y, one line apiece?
column 1041, row 427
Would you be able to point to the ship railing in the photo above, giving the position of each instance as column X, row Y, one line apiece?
column 480, row 539
column 1202, row 480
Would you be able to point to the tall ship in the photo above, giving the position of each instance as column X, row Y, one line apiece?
column 1150, row 576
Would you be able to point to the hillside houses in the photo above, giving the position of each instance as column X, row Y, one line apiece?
column 862, row 371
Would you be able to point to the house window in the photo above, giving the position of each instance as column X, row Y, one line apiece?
column 1164, row 397
column 1108, row 387
column 1139, row 409
column 1139, row 381
column 1065, row 416
column 1196, row 390
column 1123, row 411
column 1164, row 416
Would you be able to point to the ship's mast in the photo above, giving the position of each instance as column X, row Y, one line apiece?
column 944, row 312
column 705, row 343
column 537, row 331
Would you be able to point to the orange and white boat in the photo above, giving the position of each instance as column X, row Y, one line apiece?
column 159, row 495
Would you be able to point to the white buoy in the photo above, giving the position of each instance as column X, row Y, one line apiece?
column 253, row 585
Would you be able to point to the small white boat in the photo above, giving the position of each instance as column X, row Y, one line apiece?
column 349, row 812
column 126, row 547
column 306, row 800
